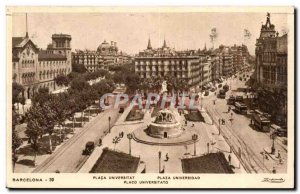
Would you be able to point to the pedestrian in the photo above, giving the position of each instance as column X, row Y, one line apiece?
column 229, row 108
column 193, row 125
column 185, row 122
column 214, row 102
column 167, row 157
column 274, row 170
column 100, row 142
column 278, row 155
column 229, row 159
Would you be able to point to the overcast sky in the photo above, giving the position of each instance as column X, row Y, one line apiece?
column 131, row 30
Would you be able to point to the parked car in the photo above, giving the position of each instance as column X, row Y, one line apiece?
column 239, row 98
column 231, row 100
column 89, row 148
column 220, row 85
column 279, row 131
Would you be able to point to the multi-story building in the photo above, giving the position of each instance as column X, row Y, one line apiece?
column 91, row 60
column 104, row 57
column 165, row 61
column 215, row 66
column 55, row 60
column 271, row 71
column 35, row 68
column 226, row 60
column 240, row 56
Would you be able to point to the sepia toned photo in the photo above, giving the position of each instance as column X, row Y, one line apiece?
column 150, row 97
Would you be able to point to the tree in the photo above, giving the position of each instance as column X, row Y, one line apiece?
column 62, row 80
column 42, row 96
column 79, row 68
column 79, row 84
column 17, row 89
column 60, row 111
column 34, row 130
column 16, row 141
column 132, row 82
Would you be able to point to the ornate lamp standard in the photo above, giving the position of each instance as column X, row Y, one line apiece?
column 273, row 136
column 194, row 138
column 109, row 118
column 159, row 157
column 219, row 126
column 129, row 136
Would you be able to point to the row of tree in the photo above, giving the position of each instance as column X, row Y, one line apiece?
column 49, row 110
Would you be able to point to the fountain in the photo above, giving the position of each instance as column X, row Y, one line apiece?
column 164, row 126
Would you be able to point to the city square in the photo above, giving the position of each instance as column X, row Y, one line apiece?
column 219, row 107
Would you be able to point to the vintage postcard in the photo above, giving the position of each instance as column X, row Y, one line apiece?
column 150, row 97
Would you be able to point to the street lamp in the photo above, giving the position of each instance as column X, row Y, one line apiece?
column 109, row 118
column 194, row 138
column 129, row 136
column 273, row 144
column 219, row 126
column 159, row 157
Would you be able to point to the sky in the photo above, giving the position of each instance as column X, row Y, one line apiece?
column 131, row 30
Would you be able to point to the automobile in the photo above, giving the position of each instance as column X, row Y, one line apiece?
column 240, row 107
column 220, row 85
column 89, row 148
column 239, row 98
column 231, row 100
column 206, row 93
column 279, row 131
column 121, row 110
column 251, row 111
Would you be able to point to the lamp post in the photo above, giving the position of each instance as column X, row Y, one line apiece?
column 194, row 138
column 159, row 157
column 129, row 136
column 109, row 118
column 219, row 126
column 273, row 143
column 201, row 99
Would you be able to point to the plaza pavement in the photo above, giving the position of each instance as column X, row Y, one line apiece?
column 149, row 153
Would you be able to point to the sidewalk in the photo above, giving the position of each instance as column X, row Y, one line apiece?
column 23, row 164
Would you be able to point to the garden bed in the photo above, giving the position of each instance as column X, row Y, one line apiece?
column 115, row 162
column 210, row 163
column 194, row 116
column 135, row 115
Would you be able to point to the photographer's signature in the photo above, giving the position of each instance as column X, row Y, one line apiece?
column 273, row 180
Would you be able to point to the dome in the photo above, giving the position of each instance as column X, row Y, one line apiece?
column 107, row 48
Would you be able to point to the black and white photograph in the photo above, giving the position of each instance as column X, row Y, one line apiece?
column 150, row 97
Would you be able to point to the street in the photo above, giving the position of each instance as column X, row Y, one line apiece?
column 69, row 158
column 253, row 141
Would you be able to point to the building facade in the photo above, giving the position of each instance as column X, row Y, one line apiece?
column 271, row 71
column 34, row 68
column 106, row 56
column 165, row 61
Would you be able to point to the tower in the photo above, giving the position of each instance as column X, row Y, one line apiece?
column 149, row 44
column 267, row 30
column 61, row 44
